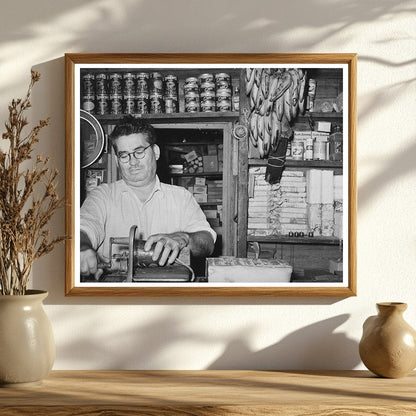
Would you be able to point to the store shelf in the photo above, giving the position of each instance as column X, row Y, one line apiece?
column 320, row 164
column 216, row 174
column 280, row 239
column 320, row 115
column 178, row 117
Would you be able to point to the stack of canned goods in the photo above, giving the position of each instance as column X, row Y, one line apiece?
column 101, row 93
column 207, row 92
column 191, row 95
column 88, row 92
column 156, row 93
column 142, row 93
column 116, row 93
column 171, row 94
column 129, row 93
column 223, row 91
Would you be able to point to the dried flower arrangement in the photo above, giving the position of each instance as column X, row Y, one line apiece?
column 28, row 199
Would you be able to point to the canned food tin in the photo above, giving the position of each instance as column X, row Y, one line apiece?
column 156, row 83
column 308, row 153
column 207, row 96
column 116, row 83
column 156, row 103
column 208, row 106
column 224, row 105
column 236, row 99
column 101, row 84
column 102, row 104
column 191, row 80
column 191, row 87
column 222, row 80
column 319, row 150
column 206, row 78
column 88, row 103
column 192, row 107
column 129, row 104
column 142, row 83
column 142, row 106
column 191, row 96
column 297, row 150
column 208, row 87
column 171, row 84
column 129, row 83
column 171, row 105
column 88, row 84
column 224, row 93
column 116, row 104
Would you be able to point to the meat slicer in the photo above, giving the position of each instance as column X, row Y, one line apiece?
column 130, row 263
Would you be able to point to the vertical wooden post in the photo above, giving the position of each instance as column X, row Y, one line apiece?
column 242, row 204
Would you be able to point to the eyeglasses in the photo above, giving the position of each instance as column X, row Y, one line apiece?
column 138, row 154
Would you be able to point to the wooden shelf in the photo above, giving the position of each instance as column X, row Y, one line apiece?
column 320, row 164
column 176, row 117
column 208, row 204
column 216, row 174
column 281, row 239
column 320, row 115
column 214, row 392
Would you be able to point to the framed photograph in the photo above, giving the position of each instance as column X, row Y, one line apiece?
column 211, row 174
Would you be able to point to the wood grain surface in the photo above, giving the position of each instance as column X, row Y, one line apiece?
column 206, row 393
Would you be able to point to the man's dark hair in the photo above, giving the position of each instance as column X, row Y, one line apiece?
column 132, row 125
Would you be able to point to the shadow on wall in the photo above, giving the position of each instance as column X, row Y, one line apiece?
column 314, row 347
column 137, row 26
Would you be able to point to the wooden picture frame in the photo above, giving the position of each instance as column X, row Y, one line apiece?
column 241, row 164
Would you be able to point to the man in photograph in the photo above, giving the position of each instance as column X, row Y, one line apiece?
column 166, row 216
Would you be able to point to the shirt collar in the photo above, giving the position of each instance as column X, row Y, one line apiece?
column 157, row 188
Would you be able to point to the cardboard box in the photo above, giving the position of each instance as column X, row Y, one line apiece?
column 211, row 213
column 190, row 156
column 210, row 163
column 201, row 198
column 243, row 270
column 324, row 126
column 200, row 189
column 200, row 181
column 212, row 149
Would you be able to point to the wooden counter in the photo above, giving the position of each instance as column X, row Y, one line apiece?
column 208, row 393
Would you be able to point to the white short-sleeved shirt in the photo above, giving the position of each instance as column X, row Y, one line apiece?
column 111, row 209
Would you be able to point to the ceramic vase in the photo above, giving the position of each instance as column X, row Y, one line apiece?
column 27, row 346
column 388, row 345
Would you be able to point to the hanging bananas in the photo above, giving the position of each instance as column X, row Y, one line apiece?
column 275, row 98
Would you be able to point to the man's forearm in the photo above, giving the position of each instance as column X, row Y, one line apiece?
column 85, row 242
column 201, row 243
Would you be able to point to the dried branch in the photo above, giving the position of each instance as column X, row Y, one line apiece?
column 23, row 217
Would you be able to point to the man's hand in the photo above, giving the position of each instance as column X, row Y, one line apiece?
column 89, row 263
column 167, row 246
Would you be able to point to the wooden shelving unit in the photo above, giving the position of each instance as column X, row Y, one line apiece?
column 215, row 116
column 317, row 164
column 281, row 239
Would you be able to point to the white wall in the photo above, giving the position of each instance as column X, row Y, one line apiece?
column 201, row 333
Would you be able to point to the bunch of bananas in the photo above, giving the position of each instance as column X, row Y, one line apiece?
column 275, row 98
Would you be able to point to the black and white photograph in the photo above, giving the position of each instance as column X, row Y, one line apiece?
column 210, row 175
